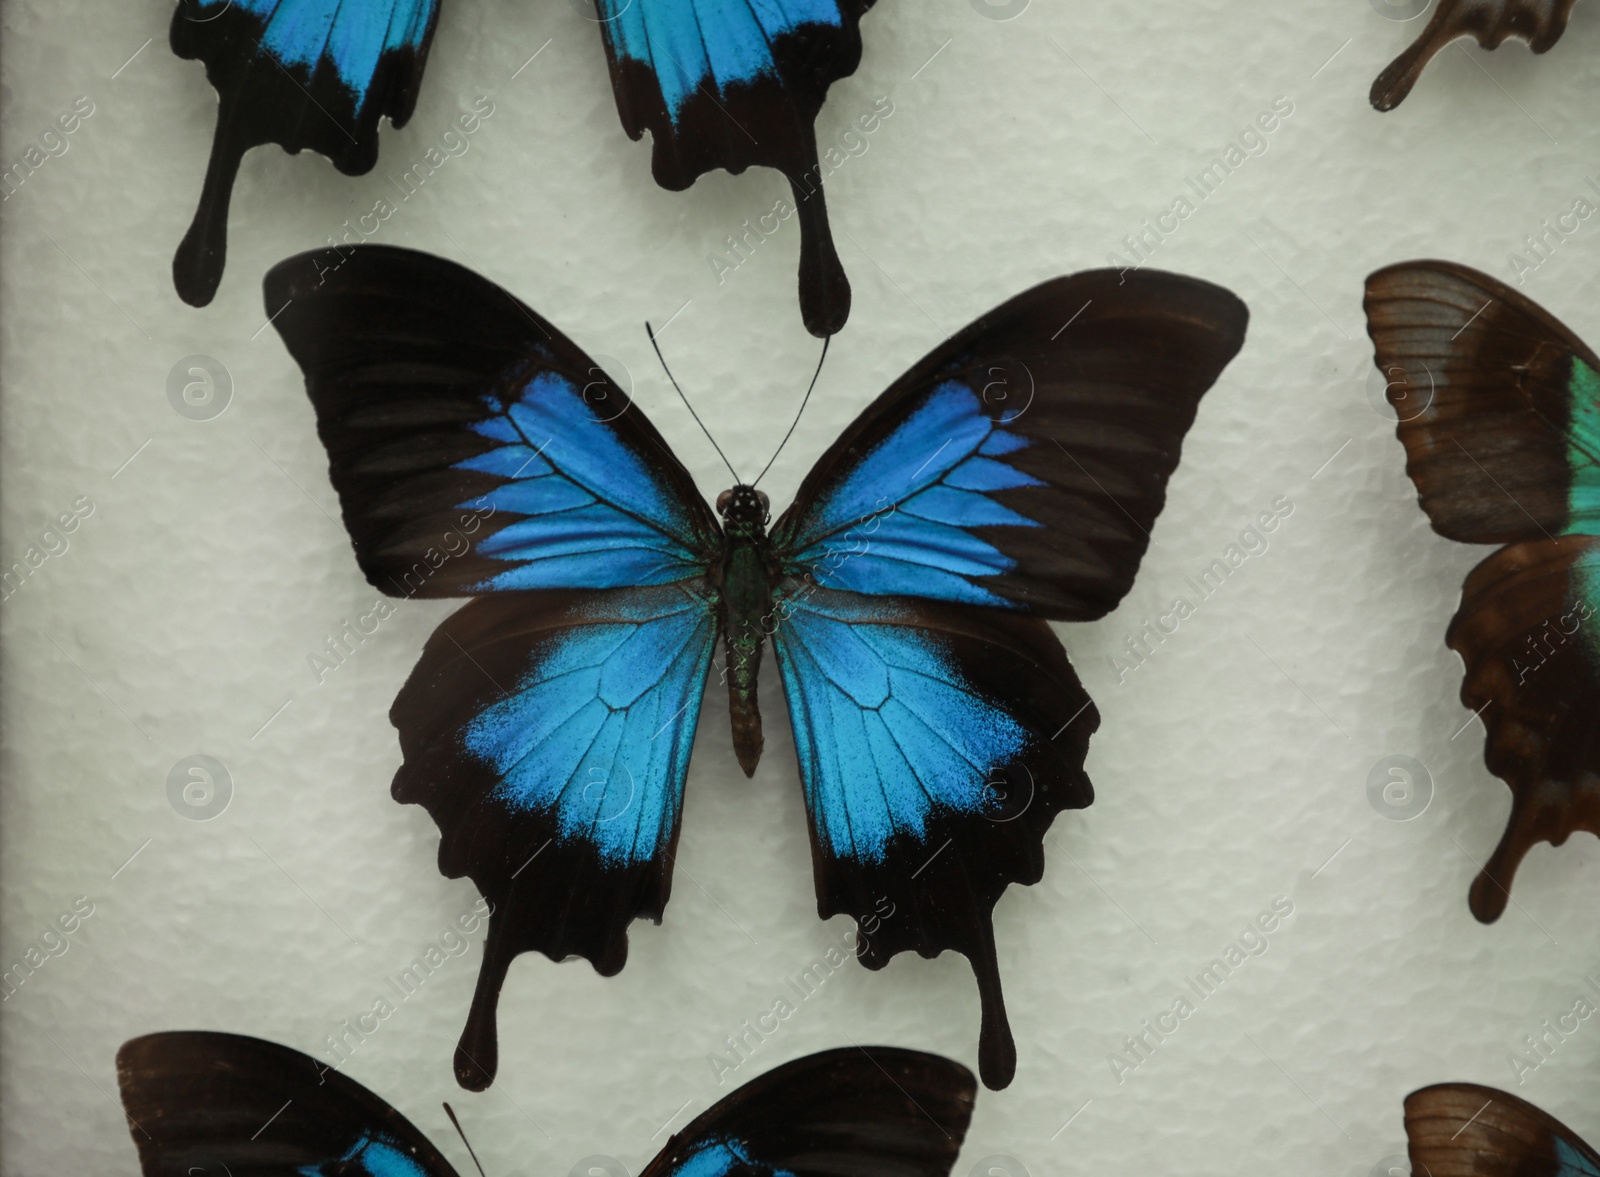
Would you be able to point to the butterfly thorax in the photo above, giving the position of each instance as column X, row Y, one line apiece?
column 746, row 596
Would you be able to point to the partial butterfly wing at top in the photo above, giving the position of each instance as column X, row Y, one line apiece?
column 731, row 83
column 299, row 73
column 1539, row 22
column 1499, row 408
column 1464, row 1130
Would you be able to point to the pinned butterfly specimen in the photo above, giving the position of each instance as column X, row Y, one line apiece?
column 1499, row 409
column 206, row 1103
column 1539, row 22
column 1463, row 1130
column 299, row 73
column 1009, row 478
column 717, row 83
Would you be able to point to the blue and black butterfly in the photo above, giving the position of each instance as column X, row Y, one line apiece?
column 1008, row 479
column 1491, row 22
column 717, row 83
column 204, row 1103
column 1499, row 408
column 1463, row 1130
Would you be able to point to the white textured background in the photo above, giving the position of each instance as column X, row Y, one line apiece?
column 1229, row 768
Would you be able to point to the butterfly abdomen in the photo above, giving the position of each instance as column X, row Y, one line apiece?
column 747, row 616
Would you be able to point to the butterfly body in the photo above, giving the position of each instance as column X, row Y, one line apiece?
column 1009, row 479
column 746, row 573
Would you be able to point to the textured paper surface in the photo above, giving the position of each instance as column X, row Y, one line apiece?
column 1231, row 766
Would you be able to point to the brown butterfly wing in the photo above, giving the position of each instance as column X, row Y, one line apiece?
column 1479, row 376
column 1539, row 22
column 1530, row 639
column 1463, row 1130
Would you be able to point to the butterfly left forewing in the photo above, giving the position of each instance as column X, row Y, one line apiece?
column 730, row 84
column 860, row 1111
column 202, row 1102
column 1464, row 1130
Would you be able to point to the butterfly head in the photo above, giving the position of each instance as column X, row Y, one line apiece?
column 744, row 508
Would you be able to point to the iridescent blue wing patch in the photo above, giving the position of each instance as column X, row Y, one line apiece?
column 1464, row 1130
column 299, row 73
column 201, row 1102
column 936, row 744
column 1498, row 408
column 841, row 1113
column 474, row 448
column 1022, row 464
column 731, row 83
column 549, row 735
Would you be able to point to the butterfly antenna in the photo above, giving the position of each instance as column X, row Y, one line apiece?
column 449, row 1111
column 804, row 401
column 650, row 331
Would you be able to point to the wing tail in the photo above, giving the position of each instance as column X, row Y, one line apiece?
column 1491, row 22
column 197, row 266
column 824, row 288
